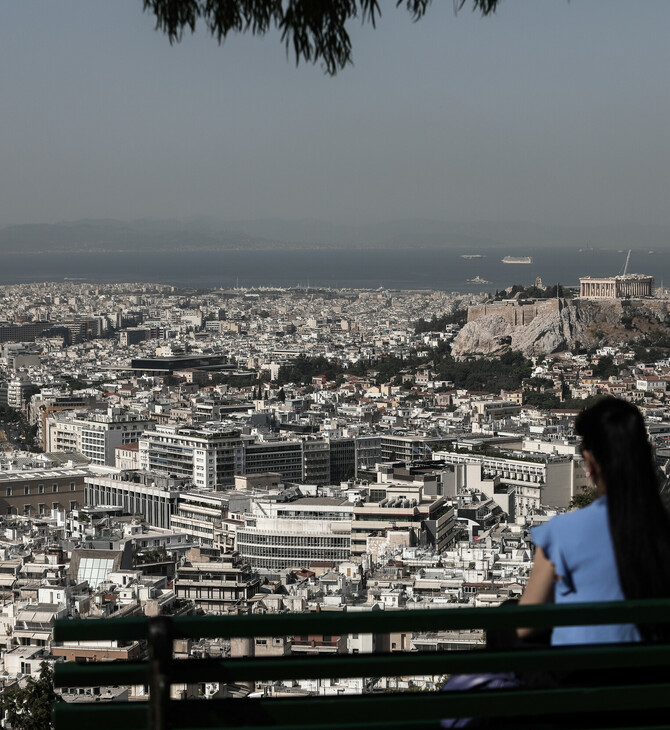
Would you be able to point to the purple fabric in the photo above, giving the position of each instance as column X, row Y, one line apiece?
column 469, row 682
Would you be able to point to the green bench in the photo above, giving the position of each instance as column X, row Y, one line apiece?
column 624, row 699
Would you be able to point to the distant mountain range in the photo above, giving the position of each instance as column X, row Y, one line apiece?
column 209, row 234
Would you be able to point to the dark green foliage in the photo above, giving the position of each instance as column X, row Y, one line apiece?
column 30, row 391
column 312, row 31
column 549, row 400
column 484, row 374
column 605, row 367
column 29, row 708
column 644, row 353
column 583, row 498
column 489, row 374
column 8, row 414
column 235, row 381
column 438, row 324
column 75, row 384
column 531, row 292
column 540, row 384
column 304, row 368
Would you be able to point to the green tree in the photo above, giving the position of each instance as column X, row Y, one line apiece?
column 605, row 367
column 583, row 498
column 30, row 707
column 314, row 31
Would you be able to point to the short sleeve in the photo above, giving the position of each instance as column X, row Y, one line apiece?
column 547, row 537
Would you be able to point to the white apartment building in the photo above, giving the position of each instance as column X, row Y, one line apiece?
column 95, row 434
column 540, row 478
column 277, row 536
column 210, row 456
column 200, row 515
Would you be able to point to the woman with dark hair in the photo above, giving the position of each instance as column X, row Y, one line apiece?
column 616, row 548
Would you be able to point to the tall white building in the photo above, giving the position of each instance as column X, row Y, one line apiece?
column 210, row 456
column 276, row 536
column 96, row 434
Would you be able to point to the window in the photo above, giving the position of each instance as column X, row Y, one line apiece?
column 26, row 489
column 73, row 505
column 73, row 487
column 9, row 491
column 54, row 505
column 54, row 488
column 26, row 509
column 40, row 509
column 40, row 489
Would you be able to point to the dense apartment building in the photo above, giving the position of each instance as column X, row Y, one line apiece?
column 408, row 448
column 405, row 508
column 210, row 457
column 137, row 493
column 45, row 404
column 283, row 457
column 549, row 479
column 35, row 492
column 223, row 586
column 200, row 514
column 95, row 434
column 276, row 535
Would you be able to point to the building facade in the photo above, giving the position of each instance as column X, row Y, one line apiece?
column 36, row 492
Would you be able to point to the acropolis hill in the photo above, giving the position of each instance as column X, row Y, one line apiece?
column 543, row 326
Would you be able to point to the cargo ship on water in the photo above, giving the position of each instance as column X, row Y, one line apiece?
column 517, row 260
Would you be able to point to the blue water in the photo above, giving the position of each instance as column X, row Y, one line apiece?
column 413, row 269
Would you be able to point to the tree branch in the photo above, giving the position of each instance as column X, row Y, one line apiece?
column 313, row 30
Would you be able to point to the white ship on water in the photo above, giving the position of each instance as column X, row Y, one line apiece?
column 517, row 260
column 478, row 280
column 472, row 255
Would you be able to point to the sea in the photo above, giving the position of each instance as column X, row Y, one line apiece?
column 438, row 269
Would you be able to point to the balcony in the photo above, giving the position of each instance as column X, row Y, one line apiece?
column 579, row 706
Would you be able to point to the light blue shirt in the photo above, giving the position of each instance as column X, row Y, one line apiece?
column 580, row 547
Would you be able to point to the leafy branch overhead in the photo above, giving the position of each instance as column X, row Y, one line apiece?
column 314, row 30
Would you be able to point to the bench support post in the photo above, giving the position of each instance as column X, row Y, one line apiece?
column 160, row 657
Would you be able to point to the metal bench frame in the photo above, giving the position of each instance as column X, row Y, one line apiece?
column 383, row 710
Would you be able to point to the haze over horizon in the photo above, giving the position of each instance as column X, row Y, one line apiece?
column 547, row 114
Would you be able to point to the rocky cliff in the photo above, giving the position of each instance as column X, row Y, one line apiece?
column 582, row 322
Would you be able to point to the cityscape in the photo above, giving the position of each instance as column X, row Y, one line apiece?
column 334, row 365
column 170, row 451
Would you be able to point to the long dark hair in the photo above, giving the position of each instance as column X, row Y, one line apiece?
column 613, row 431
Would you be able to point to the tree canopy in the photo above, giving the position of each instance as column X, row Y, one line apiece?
column 29, row 707
column 314, row 31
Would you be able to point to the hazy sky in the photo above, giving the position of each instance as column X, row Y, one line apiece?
column 549, row 111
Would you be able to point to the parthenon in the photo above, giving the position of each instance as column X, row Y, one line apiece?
column 615, row 287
